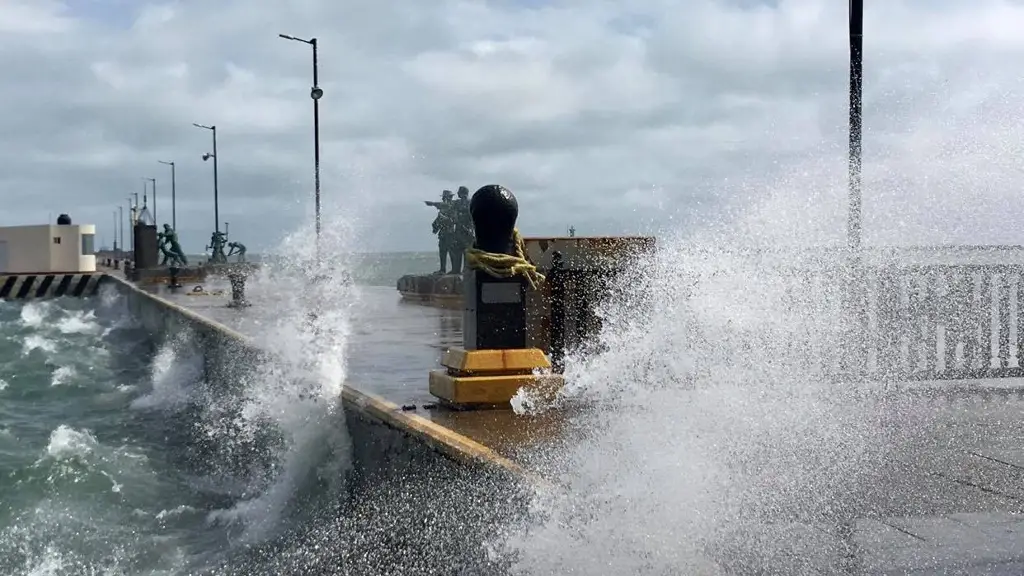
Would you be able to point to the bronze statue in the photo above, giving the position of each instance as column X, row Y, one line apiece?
column 444, row 227
column 216, row 247
column 237, row 248
column 171, row 249
column 464, row 235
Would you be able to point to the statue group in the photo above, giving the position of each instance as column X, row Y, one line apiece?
column 453, row 226
column 174, row 256
column 218, row 241
column 167, row 241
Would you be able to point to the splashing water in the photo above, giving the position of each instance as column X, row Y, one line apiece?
column 706, row 422
column 297, row 392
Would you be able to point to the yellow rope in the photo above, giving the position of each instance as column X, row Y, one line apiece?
column 505, row 265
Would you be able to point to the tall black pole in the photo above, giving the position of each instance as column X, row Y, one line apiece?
column 121, row 210
column 315, row 93
column 174, row 196
column 216, row 197
column 856, row 353
column 115, row 232
column 316, row 142
column 131, row 227
column 153, row 180
column 856, row 93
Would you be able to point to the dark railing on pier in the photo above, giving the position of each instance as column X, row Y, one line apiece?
column 945, row 322
column 955, row 318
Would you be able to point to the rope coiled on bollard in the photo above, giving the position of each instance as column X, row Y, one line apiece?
column 506, row 265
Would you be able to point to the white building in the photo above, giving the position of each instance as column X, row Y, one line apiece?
column 48, row 249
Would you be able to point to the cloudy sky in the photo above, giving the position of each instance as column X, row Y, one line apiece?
column 614, row 117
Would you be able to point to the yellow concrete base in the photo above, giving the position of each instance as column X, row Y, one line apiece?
column 490, row 378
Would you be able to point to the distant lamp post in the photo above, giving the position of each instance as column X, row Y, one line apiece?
column 153, row 181
column 120, row 209
column 174, row 197
column 207, row 156
column 131, row 220
column 316, row 93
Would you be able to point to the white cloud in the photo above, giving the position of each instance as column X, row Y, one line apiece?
column 615, row 117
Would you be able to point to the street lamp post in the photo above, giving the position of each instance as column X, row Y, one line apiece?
column 856, row 354
column 856, row 101
column 131, row 227
column 120, row 219
column 227, row 229
column 115, row 233
column 174, row 199
column 153, row 181
column 315, row 93
column 207, row 156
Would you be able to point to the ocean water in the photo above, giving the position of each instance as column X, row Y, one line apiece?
column 91, row 485
column 116, row 457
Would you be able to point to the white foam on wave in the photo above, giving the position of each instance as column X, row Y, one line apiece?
column 63, row 375
column 66, row 443
column 38, row 342
column 174, row 369
column 34, row 313
column 79, row 322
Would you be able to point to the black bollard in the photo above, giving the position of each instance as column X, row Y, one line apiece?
column 237, row 280
column 495, row 308
column 172, row 281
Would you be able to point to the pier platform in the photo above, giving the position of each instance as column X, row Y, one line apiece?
column 949, row 504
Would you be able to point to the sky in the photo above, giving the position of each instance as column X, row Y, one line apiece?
column 649, row 116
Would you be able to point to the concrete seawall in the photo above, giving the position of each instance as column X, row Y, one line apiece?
column 401, row 464
column 30, row 286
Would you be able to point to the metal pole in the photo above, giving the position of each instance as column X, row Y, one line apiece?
column 131, row 227
column 315, row 93
column 121, row 210
column 216, row 198
column 115, row 231
column 856, row 353
column 856, row 92
column 316, row 144
column 153, row 180
column 174, row 196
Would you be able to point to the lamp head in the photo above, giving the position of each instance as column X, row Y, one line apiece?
column 316, row 93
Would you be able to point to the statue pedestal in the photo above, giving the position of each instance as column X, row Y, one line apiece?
column 432, row 290
column 494, row 317
column 237, row 280
column 494, row 363
column 474, row 379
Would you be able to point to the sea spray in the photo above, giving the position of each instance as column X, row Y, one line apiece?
column 709, row 421
column 175, row 369
column 302, row 308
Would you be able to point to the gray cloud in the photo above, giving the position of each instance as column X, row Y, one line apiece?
column 614, row 117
